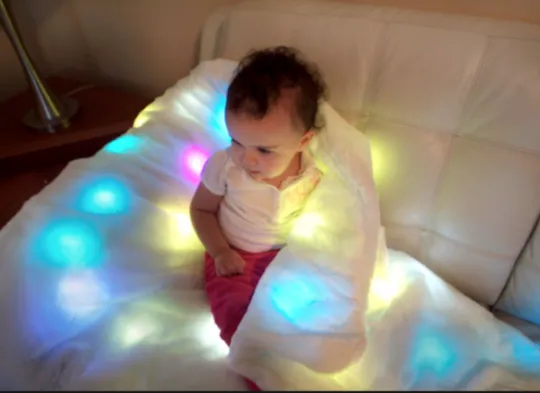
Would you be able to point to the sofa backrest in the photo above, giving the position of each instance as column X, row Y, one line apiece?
column 452, row 107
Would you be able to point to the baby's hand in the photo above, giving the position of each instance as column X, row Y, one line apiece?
column 229, row 263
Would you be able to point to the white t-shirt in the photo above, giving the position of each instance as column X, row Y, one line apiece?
column 256, row 216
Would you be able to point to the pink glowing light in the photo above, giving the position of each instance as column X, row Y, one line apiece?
column 194, row 160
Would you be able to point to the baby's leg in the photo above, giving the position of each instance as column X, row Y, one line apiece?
column 229, row 297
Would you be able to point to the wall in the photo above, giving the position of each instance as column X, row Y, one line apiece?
column 521, row 10
column 51, row 33
column 146, row 45
column 143, row 45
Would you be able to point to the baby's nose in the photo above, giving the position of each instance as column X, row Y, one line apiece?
column 249, row 160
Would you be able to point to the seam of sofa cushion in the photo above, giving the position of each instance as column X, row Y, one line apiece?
column 534, row 228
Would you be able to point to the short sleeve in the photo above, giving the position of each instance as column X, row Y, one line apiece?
column 213, row 173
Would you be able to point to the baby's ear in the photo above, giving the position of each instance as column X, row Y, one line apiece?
column 306, row 138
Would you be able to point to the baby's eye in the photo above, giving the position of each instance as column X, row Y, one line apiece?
column 264, row 151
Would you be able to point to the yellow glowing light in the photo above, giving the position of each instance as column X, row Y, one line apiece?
column 321, row 165
column 380, row 161
column 141, row 120
column 178, row 233
column 384, row 289
column 306, row 225
column 135, row 329
column 355, row 377
column 145, row 115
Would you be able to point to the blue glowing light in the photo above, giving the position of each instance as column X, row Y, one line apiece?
column 434, row 354
column 293, row 298
column 525, row 353
column 105, row 196
column 81, row 295
column 217, row 121
column 124, row 144
column 305, row 300
column 70, row 243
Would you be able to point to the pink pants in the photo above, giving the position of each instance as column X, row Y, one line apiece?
column 229, row 297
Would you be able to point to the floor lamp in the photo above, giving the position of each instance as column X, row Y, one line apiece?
column 51, row 113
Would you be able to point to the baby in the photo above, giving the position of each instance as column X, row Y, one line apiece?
column 251, row 192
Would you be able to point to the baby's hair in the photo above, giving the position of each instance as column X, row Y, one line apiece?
column 263, row 76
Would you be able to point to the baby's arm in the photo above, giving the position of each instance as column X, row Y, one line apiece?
column 204, row 208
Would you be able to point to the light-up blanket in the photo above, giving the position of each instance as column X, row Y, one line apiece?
column 101, row 278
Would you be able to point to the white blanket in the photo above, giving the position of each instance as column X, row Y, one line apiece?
column 101, row 273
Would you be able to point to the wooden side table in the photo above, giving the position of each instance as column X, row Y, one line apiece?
column 29, row 159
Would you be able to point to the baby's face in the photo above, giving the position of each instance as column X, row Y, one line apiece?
column 265, row 147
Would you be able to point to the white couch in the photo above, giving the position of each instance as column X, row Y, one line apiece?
column 452, row 107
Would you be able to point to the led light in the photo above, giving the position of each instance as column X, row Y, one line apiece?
column 306, row 225
column 70, row 243
column 105, row 196
column 81, row 295
column 124, row 144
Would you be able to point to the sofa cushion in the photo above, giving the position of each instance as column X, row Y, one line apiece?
column 531, row 330
column 522, row 295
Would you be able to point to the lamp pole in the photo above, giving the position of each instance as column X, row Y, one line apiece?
column 51, row 113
